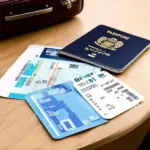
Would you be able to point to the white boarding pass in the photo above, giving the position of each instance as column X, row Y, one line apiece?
column 107, row 94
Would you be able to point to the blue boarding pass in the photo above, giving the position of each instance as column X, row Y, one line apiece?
column 63, row 111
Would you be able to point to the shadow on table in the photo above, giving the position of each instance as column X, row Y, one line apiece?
column 139, row 139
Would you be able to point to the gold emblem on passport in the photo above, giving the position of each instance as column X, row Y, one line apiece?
column 109, row 43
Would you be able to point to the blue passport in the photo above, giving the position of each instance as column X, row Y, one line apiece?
column 108, row 48
column 63, row 111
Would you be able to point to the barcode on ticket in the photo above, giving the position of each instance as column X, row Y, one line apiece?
column 111, row 86
column 73, row 66
column 129, row 93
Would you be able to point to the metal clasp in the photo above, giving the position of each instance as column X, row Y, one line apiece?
column 67, row 3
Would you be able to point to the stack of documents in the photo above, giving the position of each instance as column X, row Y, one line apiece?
column 68, row 96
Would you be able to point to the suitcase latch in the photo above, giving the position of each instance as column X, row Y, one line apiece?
column 67, row 3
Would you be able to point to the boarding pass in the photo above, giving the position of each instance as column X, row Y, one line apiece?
column 106, row 94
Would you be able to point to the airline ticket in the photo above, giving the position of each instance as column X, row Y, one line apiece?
column 106, row 94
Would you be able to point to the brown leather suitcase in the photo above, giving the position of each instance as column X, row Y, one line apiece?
column 19, row 16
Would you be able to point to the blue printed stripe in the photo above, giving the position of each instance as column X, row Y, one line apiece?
column 17, row 96
column 21, row 82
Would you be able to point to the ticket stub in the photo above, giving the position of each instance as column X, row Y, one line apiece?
column 107, row 94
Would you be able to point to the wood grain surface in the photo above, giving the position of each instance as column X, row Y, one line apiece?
column 20, row 129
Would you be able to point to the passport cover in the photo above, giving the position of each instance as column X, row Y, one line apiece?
column 63, row 111
column 107, row 48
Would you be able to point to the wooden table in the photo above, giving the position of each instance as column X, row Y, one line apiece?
column 19, row 126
